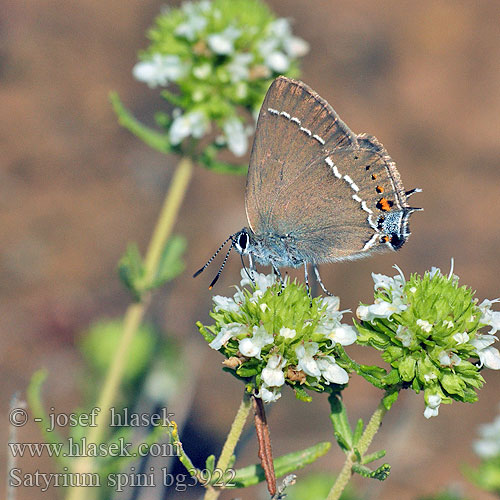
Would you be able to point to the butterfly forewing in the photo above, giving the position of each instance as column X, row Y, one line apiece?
column 295, row 127
column 311, row 178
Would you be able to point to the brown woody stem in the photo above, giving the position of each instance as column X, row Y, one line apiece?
column 264, row 439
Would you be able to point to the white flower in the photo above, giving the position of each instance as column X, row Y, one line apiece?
column 380, row 309
column 272, row 374
column 435, row 271
column 287, row 333
column 226, row 333
column 277, row 61
column 488, row 356
column 225, row 304
column 489, row 317
column 331, row 371
column 238, row 67
column 223, row 43
column 395, row 285
column 159, row 70
column 405, row 335
column 194, row 24
column 263, row 281
column 448, row 323
column 481, row 341
column 383, row 308
column 449, row 358
column 194, row 124
column 461, row 338
column 269, row 394
column 432, row 408
column 489, row 444
column 343, row 335
column 280, row 28
column 332, row 304
column 424, row 325
column 251, row 347
column 305, row 354
column 279, row 46
column 202, row 71
column 296, row 47
column 237, row 138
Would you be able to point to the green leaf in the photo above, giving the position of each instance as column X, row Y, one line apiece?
column 208, row 159
column 283, row 465
column 381, row 473
column 131, row 270
column 367, row 459
column 389, row 399
column 301, row 394
column 34, row 397
column 358, row 431
column 338, row 416
column 210, row 463
column 154, row 139
column 392, row 378
column 207, row 335
column 407, row 368
column 171, row 263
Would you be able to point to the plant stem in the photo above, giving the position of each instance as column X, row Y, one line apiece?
column 363, row 444
column 133, row 318
column 230, row 444
column 264, row 439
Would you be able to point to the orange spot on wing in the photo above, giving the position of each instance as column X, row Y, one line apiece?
column 379, row 189
column 384, row 204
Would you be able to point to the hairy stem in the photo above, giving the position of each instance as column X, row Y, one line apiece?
column 364, row 442
column 230, row 444
column 133, row 318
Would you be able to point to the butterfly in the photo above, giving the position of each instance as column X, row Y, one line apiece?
column 316, row 192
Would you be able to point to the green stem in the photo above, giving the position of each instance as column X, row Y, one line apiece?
column 362, row 447
column 133, row 318
column 230, row 444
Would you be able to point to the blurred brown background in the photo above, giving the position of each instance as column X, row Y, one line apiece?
column 424, row 77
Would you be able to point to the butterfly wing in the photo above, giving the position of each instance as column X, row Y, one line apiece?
column 338, row 195
column 295, row 126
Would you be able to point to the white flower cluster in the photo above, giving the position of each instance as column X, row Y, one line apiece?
column 488, row 446
column 279, row 47
column 397, row 299
column 251, row 341
column 272, row 54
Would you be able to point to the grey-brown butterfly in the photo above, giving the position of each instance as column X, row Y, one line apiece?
column 316, row 192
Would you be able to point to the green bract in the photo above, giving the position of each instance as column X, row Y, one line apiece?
column 272, row 336
column 429, row 331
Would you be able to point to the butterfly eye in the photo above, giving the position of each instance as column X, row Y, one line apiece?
column 243, row 241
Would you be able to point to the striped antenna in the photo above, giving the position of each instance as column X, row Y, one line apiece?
column 221, row 267
column 212, row 258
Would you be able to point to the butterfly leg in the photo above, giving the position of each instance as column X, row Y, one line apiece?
column 318, row 277
column 306, row 280
column 251, row 265
column 248, row 272
column 278, row 273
